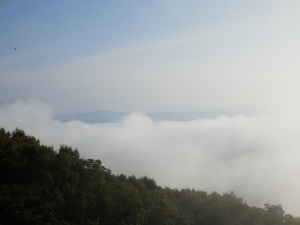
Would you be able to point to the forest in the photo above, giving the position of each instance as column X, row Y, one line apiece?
column 39, row 185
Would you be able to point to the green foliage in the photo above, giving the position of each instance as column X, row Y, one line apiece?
column 41, row 186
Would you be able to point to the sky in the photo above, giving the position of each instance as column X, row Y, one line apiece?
column 162, row 55
column 150, row 56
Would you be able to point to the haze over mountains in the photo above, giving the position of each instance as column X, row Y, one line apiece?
column 104, row 116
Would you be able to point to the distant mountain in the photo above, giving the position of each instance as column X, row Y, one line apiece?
column 102, row 116
column 201, row 114
column 92, row 117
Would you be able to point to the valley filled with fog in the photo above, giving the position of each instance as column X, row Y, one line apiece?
column 254, row 156
column 193, row 94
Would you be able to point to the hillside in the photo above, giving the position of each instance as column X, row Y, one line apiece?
column 39, row 185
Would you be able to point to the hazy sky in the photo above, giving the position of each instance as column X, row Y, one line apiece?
column 150, row 55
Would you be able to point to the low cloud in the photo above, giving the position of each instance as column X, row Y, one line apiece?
column 256, row 157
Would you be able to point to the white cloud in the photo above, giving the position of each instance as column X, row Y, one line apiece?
column 257, row 157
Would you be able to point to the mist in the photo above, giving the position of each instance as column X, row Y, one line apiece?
column 256, row 157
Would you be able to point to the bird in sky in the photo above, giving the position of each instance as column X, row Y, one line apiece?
column 15, row 48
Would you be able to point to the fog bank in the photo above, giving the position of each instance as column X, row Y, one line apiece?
column 256, row 157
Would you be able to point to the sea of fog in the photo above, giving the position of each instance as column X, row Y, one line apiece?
column 256, row 156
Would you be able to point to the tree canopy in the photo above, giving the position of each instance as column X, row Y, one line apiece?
column 39, row 185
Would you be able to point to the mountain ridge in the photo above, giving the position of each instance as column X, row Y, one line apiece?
column 106, row 116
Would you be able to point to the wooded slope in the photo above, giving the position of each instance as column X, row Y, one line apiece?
column 41, row 186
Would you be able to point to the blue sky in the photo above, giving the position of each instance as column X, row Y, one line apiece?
column 150, row 56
